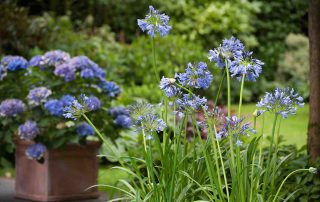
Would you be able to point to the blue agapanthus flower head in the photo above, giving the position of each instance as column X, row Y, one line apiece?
column 139, row 109
column 246, row 65
column 281, row 101
column 197, row 76
column 79, row 107
column 154, row 23
column 28, row 130
column 14, row 63
column 234, row 126
column 167, row 85
column 12, row 108
column 65, row 70
column 38, row 95
column 36, row 151
column 55, row 57
column 54, row 107
column 191, row 102
column 123, row 121
column 110, row 88
column 150, row 123
column 229, row 49
column 117, row 111
column 84, row 129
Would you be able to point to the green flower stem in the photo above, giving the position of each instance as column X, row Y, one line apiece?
column 184, row 88
column 241, row 93
column 252, row 163
column 104, row 140
column 267, row 173
column 215, row 148
column 285, row 179
column 275, row 156
column 232, row 165
column 219, row 90
column 154, row 59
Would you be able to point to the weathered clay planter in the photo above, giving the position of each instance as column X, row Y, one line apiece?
column 65, row 174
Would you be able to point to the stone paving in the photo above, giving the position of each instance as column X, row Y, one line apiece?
column 7, row 193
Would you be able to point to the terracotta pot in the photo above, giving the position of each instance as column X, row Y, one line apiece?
column 65, row 174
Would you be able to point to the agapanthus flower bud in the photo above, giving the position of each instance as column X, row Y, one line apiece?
column 167, row 85
column 313, row 170
column 154, row 23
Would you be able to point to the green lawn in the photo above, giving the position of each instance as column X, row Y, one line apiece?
column 293, row 129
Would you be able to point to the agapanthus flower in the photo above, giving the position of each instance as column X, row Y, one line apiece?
column 77, row 108
column 234, row 126
column 246, row 65
column 167, row 85
column 36, row 151
column 38, row 95
column 117, row 111
column 110, row 88
column 150, row 123
column 14, row 63
column 54, row 58
column 191, row 102
column 12, row 108
column 197, row 76
column 140, row 109
column 281, row 101
column 123, row 121
column 229, row 49
column 154, row 23
column 28, row 130
column 65, row 70
column 54, row 107
column 84, row 129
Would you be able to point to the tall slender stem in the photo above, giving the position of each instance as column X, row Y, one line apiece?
column 285, row 179
column 219, row 90
column 229, row 89
column 154, row 59
column 241, row 93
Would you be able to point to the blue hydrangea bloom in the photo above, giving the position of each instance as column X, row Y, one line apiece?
column 36, row 151
column 38, row 95
column 281, row 101
column 54, row 107
column 87, row 73
column 66, row 71
column 196, row 76
column 123, row 121
column 35, row 61
column 167, row 85
column 11, row 108
column 28, row 130
column 230, row 49
column 246, row 65
column 110, row 88
column 154, row 23
column 117, row 111
column 14, row 63
column 54, row 58
column 191, row 102
column 92, row 103
column 88, row 68
column 84, row 129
